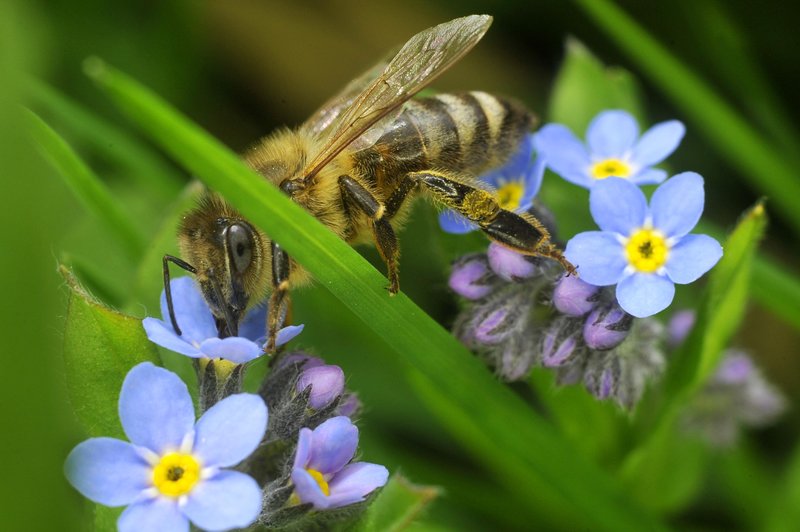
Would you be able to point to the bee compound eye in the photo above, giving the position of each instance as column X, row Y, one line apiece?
column 240, row 246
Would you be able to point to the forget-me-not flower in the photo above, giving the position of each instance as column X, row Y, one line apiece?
column 613, row 149
column 515, row 185
column 172, row 471
column 644, row 250
column 199, row 338
column 322, row 472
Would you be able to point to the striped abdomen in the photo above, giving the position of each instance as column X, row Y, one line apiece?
column 466, row 133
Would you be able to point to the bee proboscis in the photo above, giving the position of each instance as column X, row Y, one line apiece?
column 354, row 165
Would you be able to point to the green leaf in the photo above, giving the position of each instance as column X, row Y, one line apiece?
column 495, row 425
column 722, row 309
column 584, row 87
column 100, row 347
column 719, row 316
column 397, row 505
column 141, row 162
column 732, row 135
column 86, row 186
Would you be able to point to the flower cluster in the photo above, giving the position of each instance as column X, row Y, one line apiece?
column 737, row 394
column 596, row 329
column 237, row 465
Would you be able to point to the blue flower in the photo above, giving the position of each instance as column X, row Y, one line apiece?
column 322, row 472
column 615, row 149
column 515, row 185
column 644, row 250
column 172, row 472
column 199, row 338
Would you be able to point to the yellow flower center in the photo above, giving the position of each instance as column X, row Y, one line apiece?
column 647, row 250
column 509, row 195
column 176, row 474
column 323, row 484
column 610, row 168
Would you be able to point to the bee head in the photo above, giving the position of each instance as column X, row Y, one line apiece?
column 228, row 254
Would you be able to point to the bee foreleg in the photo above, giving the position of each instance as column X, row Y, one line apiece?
column 521, row 233
column 279, row 299
column 354, row 195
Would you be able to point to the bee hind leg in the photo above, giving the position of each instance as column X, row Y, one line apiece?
column 279, row 299
column 521, row 233
column 355, row 196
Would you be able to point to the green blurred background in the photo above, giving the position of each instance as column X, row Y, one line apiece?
column 241, row 69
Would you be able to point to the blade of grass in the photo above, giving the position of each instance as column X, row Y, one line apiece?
column 719, row 315
column 143, row 164
column 744, row 147
column 510, row 436
column 86, row 186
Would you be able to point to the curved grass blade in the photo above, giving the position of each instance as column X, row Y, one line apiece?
column 744, row 147
column 141, row 162
column 468, row 400
column 718, row 318
column 86, row 186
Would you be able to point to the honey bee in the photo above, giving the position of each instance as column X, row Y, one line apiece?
column 355, row 165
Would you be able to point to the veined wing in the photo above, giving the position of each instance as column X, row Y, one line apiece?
column 423, row 58
column 325, row 116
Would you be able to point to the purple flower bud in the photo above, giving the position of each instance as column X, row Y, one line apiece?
column 606, row 327
column 327, row 383
column 561, row 343
column 493, row 328
column 603, row 381
column 680, row 325
column 349, row 406
column 516, row 358
column 303, row 360
column 510, row 265
column 471, row 278
column 735, row 368
column 574, row 297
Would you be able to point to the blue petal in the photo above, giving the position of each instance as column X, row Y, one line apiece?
column 618, row 205
column 303, row 453
column 163, row 334
column 227, row 500
column 693, row 256
column 564, row 153
column 598, row 256
column 230, row 431
column 333, row 444
column 356, row 481
column 233, row 348
column 658, row 143
column 521, row 160
column 108, row 471
column 533, row 182
column 452, row 222
column 254, row 324
column 677, row 204
column 191, row 311
column 286, row 334
column 307, row 489
column 155, row 408
column 649, row 176
column 611, row 134
column 159, row 514
column 645, row 294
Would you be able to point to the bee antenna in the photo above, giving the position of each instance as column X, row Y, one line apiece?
column 167, row 288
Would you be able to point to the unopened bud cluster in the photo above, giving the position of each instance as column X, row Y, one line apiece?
column 522, row 311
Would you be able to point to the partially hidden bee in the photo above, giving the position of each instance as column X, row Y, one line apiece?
column 355, row 165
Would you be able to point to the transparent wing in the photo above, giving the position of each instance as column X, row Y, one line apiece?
column 324, row 117
column 418, row 62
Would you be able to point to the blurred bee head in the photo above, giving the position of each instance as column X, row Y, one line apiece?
column 230, row 259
